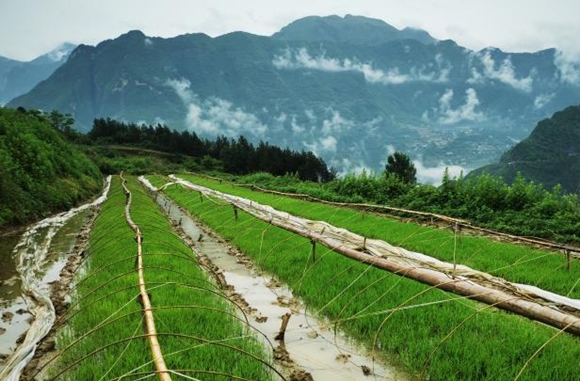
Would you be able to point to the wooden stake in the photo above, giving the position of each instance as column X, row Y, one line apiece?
column 313, row 242
column 454, row 249
column 285, row 319
column 568, row 260
column 235, row 212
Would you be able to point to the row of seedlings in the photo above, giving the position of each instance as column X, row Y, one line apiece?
column 201, row 334
column 518, row 263
column 437, row 335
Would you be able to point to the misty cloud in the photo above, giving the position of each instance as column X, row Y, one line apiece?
column 390, row 150
column 329, row 143
column 181, row 87
column 296, row 128
column 281, row 118
column 351, row 166
column 58, row 54
column 434, row 175
column 467, row 111
column 310, row 115
column 301, row 59
column 543, row 99
column 505, row 73
column 568, row 64
column 215, row 116
column 336, row 123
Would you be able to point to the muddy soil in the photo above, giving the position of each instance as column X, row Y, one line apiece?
column 14, row 316
column 46, row 350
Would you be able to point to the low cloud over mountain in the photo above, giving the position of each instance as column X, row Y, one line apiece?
column 346, row 88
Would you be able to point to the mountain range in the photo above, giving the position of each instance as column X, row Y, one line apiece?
column 19, row 77
column 351, row 89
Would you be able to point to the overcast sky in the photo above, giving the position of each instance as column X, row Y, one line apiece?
column 29, row 28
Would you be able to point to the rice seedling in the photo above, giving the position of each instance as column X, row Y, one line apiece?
column 200, row 332
column 437, row 335
column 517, row 263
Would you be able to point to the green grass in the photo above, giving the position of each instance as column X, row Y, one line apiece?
column 198, row 331
column 516, row 263
column 416, row 326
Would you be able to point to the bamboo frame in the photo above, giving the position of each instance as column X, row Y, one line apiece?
column 454, row 278
column 149, row 323
column 571, row 251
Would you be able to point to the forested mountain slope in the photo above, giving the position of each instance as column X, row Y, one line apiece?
column 549, row 156
column 349, row 89
column 40, row 173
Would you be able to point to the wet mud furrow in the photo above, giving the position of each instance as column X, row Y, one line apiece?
column 38, row 268
column 309, row 350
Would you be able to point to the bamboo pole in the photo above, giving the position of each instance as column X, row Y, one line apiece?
column 158, row 360
column 471, row 283
column 432, row 217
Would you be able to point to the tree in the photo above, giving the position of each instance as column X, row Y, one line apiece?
column 400, row 165
column 62, row 123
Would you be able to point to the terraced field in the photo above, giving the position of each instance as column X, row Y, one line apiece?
column 198, row 332
column 146, row 302
column 434, row 334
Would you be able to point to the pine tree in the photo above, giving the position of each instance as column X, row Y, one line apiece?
column 400, row 165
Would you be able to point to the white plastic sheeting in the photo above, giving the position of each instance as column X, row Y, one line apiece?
column 556, row 310
column 30, row 254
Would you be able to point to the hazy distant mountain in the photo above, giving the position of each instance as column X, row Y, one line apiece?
column 17, row 77
column 351, row 89
column 550, row 155
column 352, row 29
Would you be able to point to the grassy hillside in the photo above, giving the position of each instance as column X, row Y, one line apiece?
column 40, row 173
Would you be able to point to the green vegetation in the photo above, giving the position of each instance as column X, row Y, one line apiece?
column 520, row 264
column 40, row 173
column 232, row 156
column 137, row 161
column 523, row 208
column 449, row 337
column 400, row 165
column 198, row 333
column 549, row 156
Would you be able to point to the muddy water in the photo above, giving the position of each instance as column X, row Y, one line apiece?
column 312, row 346
column 13, row 319
column 40, row 255
column 53, row 245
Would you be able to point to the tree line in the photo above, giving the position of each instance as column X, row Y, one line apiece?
column 236, row 156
